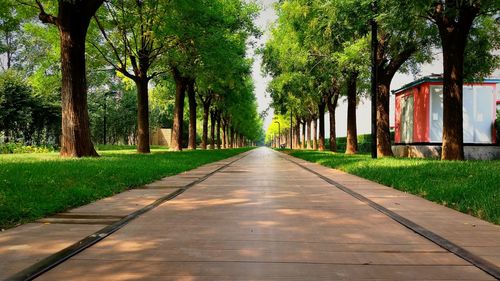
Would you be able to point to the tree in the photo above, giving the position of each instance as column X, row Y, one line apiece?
column 25, row 116
column 134, row 32
column 401, row 40
column 455, row 21
column 113, row 109
column 210, row 36
column 72, row 20
column 15, row 105
column 9, row 30
column 315, row 40
column 331, row 102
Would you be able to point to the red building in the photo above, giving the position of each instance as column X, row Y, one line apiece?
column 419, row 112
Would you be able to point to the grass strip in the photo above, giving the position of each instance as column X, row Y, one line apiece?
column 471, row 187
column 33, row 186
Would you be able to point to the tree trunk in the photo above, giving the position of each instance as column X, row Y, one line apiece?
column 227, row 135
column 212, row 129
column 180, row 87
column 454, row 33
column 321, row 139
column 352, row 134
column 453, row 148
column 383, row 129
column 285, row 135
column 218, row 132
column 73, row 26
column 385, row 73
column 142, row 115
column 296, row 142
column 230, row 137
column 303, row 143
column 453, row 66
column 224, row 138
column 192, row 114
column 308, row 140
column 315, row 133
column 206, row 111
column 332, row 106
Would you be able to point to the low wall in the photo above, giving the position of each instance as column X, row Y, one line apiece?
column 434, row 151
column 161, row 136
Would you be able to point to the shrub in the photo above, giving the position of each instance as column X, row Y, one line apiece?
column 14, row 148
column 364, row 143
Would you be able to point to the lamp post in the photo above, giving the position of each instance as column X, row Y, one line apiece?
column 279, row 133
column 374, row 77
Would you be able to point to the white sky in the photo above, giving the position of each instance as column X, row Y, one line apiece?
column 263, row 21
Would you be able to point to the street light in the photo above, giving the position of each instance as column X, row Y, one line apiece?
column 279, row 133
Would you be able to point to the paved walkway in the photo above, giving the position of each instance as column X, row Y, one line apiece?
column 265, row 218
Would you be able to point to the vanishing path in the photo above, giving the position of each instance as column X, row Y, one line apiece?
column 265, row 218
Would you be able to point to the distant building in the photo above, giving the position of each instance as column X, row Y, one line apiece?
column 419, row 111
column 161, row 136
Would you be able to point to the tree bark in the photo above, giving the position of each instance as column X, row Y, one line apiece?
column 192, row 114
column 212, row 129
column 296, row 142
column 227, row 134
column 308, row 140
column 321, row 138
column 180, row 88
column 332, row 106
column 453, row 60
column 206, row 113
column 224, row 137
column 229, row 137
column 352, row 134
column 142, row 115
column 218, row 131
column 383, row 127
column 454, row 32
column 73, row 24
column 303, row 143
column 315, row 133
column 386, row 71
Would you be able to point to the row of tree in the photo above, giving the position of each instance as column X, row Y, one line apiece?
column 319, row 51
column 193, row 48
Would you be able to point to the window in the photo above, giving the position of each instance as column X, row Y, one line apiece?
column 407, row 119
column 478, row 114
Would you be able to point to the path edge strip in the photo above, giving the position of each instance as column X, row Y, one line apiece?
column 50, row 262
column 442, row 242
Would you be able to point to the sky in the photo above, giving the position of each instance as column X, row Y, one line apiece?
column 265, row 20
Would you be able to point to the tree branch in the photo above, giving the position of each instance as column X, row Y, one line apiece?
column 401, row 58
column 44, row 17
column 105, row 35
column 103, row 55
column 155, row 74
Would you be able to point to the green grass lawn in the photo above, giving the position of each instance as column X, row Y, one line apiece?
column 36, row 185
column 472, row 187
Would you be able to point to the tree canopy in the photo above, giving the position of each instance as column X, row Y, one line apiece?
column 129, row 46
